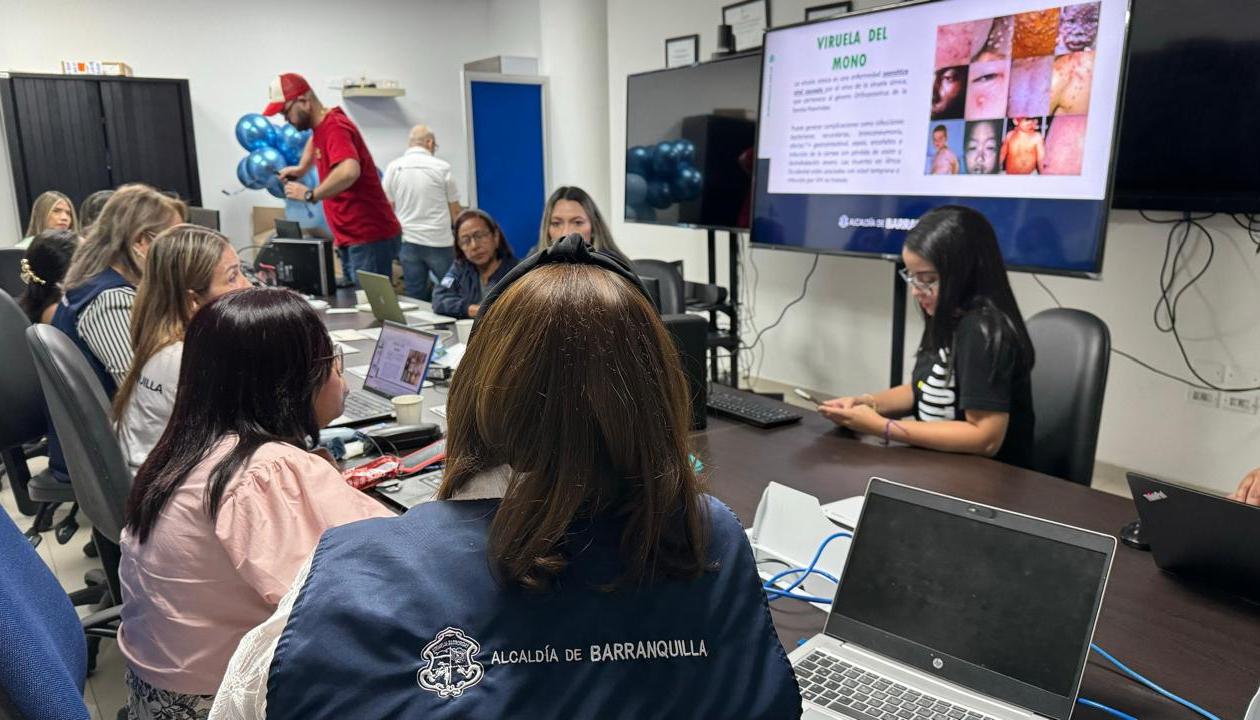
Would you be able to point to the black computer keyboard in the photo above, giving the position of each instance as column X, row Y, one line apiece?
column 832, row 683
column 749, row 408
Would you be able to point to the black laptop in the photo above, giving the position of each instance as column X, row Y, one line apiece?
column 1200, row 536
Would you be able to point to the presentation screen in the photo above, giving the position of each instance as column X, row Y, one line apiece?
column 1008, row 106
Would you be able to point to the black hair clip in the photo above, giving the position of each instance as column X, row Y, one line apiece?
column 570, row 249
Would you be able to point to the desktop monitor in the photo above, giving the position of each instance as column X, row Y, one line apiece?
column 1008, row 106
column 204, row 217
column 690, row 133
column 291, row 229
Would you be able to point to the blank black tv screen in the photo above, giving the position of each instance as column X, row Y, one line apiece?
column 1191, row 108
column 690, row 136
column 870, row 120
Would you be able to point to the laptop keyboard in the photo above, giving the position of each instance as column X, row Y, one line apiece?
column 832, row 683
column 361, row 405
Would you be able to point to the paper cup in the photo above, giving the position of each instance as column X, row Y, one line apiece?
column 407, row 409
column 463, row 328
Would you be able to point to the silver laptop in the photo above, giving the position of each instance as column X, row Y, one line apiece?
column 950, row 609
column 400, row 362
column 386, row 306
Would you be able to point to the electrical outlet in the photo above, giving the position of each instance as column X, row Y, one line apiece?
column 1240, row 403
column 1242, row 376
column 1206, row 398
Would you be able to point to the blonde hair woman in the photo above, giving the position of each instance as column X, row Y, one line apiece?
column 101, row 282
column 186, row 267
column 571, row 209
column 100, row 287
column 52, row 211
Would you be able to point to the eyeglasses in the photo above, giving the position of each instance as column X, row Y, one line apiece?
column 927, row 286
column 338, row 360
column 474, row 238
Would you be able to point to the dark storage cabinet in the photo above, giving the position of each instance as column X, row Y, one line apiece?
column 80, row 134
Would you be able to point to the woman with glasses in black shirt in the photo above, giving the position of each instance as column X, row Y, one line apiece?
column 970, row 391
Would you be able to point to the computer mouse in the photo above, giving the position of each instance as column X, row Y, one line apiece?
column 1131, row 535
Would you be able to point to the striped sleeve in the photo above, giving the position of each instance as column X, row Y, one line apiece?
column 105, row 325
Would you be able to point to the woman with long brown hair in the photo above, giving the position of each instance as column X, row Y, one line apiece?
column 186, row 267
column 571, row 567
column 570, row 209
column 100, row 287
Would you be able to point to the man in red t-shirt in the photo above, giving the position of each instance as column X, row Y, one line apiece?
column 364, row 226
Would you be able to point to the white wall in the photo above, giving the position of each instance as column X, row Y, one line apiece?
column 230, row 49
column 573, row 56
column 514, row 27
column 837, row 339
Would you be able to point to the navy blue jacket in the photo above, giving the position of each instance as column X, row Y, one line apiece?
column 461, row 287
column 401, row 617
column 66, row 319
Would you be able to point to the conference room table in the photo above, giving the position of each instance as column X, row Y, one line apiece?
column 1197, row 642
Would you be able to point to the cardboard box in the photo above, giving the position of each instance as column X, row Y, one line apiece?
column 111, row 68
column 264, row 223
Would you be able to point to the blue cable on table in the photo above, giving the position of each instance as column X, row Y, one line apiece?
column 1109, row 710
column 776, row 592
column 1134, row 675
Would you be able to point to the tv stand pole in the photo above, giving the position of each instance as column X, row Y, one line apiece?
column 729, row 340
column 897, row 360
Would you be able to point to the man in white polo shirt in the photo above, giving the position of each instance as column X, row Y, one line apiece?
column 425, row 198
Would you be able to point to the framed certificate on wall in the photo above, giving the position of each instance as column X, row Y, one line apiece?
column 682, row 51
column 822, row 12
column 749, row 20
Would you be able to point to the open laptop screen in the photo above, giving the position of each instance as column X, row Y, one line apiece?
column 400, row 360
column 972, row 586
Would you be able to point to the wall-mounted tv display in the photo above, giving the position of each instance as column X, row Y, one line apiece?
column 1190, row 105
column 1009, row 106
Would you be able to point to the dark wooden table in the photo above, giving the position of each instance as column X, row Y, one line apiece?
column 1200, row 644
column 1197, row 643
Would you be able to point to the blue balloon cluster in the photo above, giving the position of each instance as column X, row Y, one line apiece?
column 271, row 148
column 660, row 175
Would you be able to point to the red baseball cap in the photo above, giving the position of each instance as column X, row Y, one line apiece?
column 286, row 87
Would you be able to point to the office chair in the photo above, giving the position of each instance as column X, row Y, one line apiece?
column 11, row 270
column 1068, row 383
column 98, row 471
column 43, row 659
column 23, row 422
column 670, row 282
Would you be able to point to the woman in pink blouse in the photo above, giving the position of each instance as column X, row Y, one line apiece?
column 229, row 503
